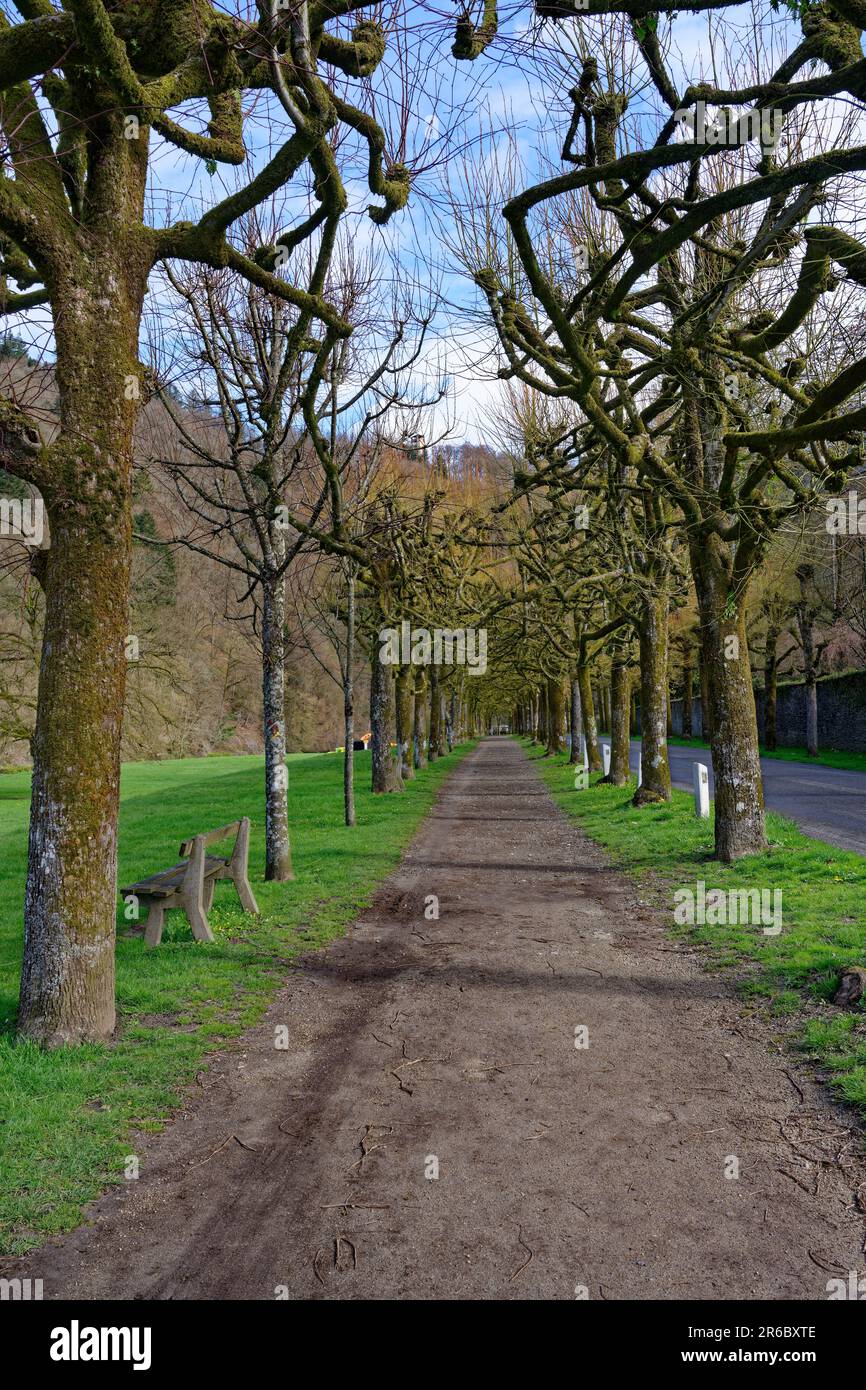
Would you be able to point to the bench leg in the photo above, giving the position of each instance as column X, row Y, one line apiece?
column 245, row 893
column 198, row 921
column 238, row 867
column 192, row 893
column 154, row 924
column 207, row 892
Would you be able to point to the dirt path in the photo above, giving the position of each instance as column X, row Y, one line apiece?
column 559, row 1167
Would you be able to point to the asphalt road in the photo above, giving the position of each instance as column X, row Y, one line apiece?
column 826, row 802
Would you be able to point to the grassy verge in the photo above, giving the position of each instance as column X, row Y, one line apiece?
column 67, row 1117
column 823, row 907
column 830, row 757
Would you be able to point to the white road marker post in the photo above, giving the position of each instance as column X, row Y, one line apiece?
column 701, row 782
column 605, row 757
column 583, row 753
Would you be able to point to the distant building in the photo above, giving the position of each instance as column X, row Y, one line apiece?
column 416, row 447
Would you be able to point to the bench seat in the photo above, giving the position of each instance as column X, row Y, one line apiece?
column 166, row 883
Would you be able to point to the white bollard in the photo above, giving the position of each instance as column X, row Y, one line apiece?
column 583, row 752
column 639, row 768
column 605, row 757
column 701, row 782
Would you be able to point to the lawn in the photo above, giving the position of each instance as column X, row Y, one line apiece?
column 823, row 909
column 68, row 1118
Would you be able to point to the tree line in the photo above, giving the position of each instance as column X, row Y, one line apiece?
column 673, row 295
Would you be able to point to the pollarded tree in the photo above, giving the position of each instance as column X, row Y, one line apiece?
column 633, row 523
column 255, row 490
column 685, row 311
column 83, row 93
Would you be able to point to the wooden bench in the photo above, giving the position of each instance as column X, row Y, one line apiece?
column 190, row 884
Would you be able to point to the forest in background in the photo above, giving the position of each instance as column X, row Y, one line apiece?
column 194, row 688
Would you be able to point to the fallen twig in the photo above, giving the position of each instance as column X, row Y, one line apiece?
column 525, row 1262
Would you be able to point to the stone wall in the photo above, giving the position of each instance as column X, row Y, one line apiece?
column 841, row 713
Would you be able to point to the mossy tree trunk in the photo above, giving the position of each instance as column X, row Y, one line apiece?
column 706, row 712
column 67, row 977
column 771, row 686
column 688, row 677
column 435, row 716
column 806, row 614
column 620, row 711
column 419, row 724
column 386, row 773
column 590, row 729
column 556, row 710
column 653, row 636
column 405, row 717
column 542, row 714
column 739, row 796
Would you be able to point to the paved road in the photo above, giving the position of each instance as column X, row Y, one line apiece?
column 572, row 1079
column 826, row 802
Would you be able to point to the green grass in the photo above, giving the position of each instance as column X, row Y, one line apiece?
column 823, row 908
column 68, row 1118
column 830, row 757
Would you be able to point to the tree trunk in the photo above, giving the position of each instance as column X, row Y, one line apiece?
column 443, row 745
column 278, row 856
column 450, row 716
column 419, row 726
column 349, row 705
column 739, row 797
column 435, row 716
column 386, row 773
column 607, row 706
column 542, row 714
column 67, row 976
column 706, row 713
column 806, row 624
column 687, row 694
column 405, row 714
column 574, row 720
column 555, row 707
column 620, row 710
column 655, row 770
column 593, row 753
column 811, row 694
column 771, row 687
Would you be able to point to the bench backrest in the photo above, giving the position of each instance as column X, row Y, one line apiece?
column 210, row 837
